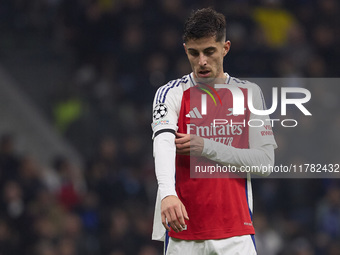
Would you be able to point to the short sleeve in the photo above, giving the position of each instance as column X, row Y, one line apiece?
column 166, row 107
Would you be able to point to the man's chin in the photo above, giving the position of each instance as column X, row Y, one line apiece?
column 210, row 80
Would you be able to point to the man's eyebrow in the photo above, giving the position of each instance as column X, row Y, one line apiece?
column 192, row 49
column 206, row 49
column 210, row 48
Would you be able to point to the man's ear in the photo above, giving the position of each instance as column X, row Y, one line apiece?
column 226, row 47
column 185, row 48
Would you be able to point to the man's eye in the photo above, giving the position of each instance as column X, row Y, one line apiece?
column 209, row 52
column 195, row 54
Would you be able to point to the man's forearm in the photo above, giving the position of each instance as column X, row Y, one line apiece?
column 223, row 154
column 164, row 155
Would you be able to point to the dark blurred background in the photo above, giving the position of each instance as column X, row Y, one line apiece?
column 77, row 80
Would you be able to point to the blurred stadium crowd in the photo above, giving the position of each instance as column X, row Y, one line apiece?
column 120, row 52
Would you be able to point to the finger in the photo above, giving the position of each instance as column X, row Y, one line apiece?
column 174, row 222
column 185, row 213
column 164, row 222
column 171, row 221
column 183, row 138
column 180, row 134
column 180, row 216
column 183, row 146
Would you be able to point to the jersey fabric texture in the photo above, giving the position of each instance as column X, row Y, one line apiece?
column 218, row 207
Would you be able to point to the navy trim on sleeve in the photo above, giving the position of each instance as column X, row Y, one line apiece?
column 176, row 83
column 165, row 130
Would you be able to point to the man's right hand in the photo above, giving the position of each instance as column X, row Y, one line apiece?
column 173, row 212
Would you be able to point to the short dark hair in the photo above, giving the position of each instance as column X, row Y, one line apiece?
column 205, row 22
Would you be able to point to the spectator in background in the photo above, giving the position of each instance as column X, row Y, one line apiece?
column 268, row 241
column 275, row 22
column 8, row 242
column 72, row 183
column 328, row 218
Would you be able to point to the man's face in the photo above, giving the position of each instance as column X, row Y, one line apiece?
column 206, row 57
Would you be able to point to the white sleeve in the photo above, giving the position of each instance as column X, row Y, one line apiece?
column 261, row 143
column 166, row 108
column 164, row 155
column 223, row 154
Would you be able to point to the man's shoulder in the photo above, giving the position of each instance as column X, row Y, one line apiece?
column 173, row 87
column 180, row 82
column 242, row 83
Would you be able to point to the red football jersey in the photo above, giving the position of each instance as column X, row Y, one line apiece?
column 220, row 205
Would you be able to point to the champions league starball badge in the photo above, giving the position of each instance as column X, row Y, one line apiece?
column 160, row 111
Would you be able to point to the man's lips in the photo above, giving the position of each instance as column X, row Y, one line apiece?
column 204, row 73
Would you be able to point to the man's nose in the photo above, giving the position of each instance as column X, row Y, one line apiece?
column 202, row 60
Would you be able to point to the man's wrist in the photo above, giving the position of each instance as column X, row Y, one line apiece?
column 164, row 194
column 169, row 196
